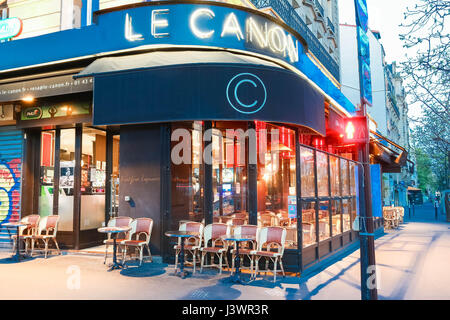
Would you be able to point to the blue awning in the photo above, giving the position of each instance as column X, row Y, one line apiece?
column 167, row 86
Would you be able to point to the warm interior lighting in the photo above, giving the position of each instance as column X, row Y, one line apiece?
column 28, row 99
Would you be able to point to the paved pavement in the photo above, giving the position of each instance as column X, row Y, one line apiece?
column 413, row 262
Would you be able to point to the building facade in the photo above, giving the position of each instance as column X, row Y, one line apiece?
column 182, row 110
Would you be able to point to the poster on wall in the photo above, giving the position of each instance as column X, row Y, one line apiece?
column 67, row 177
column 292, row 207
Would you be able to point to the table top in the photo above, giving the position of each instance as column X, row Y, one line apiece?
column 239, row 238
column 181, row 234
column 15, row 224
column 113, row 229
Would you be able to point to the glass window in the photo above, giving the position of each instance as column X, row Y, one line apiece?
column 115, row 182
column 322, row 174
column 336, row 217
column 353, row 178
column 345, row 178
column 47, row 172
column 93, row 177
column 307, row 172
column 324, row 220
column 66, row 180
column 347, row 206
column 309, row 223
column 277, row 193
column 187, row 176
column 335, row 178
column 229, row 174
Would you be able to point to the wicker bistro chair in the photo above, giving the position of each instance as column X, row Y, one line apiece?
column 26, row 233
column 389, row 218
column 139, row 227
column 248, row 230
column 49, row 225
column 308, row 232
column 269, row 237
column 213, row 233
column 191, row 244
column 401, row 212
column 117, row 222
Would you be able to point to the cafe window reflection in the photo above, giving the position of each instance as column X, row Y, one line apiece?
column 229, row 173
column 322, row 174
column 307, row 172
column 336, row 217
column 187, row 177
column 277, row 192
column 324, row 220
column 309, row 223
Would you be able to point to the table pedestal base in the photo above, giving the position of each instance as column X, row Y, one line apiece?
column 182, row 274
column 116, row 266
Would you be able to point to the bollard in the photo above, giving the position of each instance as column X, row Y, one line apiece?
column 436, row 210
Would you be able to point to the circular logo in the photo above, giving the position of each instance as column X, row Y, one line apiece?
column 246, row 93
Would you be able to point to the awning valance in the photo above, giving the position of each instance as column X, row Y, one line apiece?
column 167, row 86
column 157, row 59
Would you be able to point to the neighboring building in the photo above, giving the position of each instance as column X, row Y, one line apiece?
column 398, row 131
column 388, row 111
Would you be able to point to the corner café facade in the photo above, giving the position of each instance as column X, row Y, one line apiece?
column 105, row 102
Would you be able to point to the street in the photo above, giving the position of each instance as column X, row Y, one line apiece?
column 412, row 263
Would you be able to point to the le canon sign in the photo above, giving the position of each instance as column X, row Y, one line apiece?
column 356, row 130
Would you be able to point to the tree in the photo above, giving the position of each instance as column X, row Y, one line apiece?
column 424, row 174
column 427, row 82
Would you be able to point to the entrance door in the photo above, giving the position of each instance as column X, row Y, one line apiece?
column 73, row 166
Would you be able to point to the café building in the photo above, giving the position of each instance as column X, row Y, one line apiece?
column 182, row 111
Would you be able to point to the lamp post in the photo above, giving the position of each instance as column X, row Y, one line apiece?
column 367, row 241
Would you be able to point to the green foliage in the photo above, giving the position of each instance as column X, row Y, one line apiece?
column 424, row 172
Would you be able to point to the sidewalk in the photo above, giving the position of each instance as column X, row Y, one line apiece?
column 414, row 263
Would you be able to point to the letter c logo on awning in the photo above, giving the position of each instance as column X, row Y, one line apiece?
column 246, row 93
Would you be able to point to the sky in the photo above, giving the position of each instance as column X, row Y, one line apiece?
column 384, row 16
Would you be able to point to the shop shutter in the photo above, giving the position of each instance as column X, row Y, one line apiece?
column 11, row 148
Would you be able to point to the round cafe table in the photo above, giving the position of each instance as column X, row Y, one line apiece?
column 114, row 231
column 17, row 225
column 236, row 278
column 182, row 235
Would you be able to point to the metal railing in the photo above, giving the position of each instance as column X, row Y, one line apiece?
column 331, row 26
column 319, row 8
column 292, row 19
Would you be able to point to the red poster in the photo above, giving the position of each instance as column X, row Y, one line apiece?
column 47, row 149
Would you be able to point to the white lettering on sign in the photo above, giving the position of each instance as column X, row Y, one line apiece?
column 192, row 23
column 265, row 36
column 159, row 23
column 129, row 34
column 254, row 31
column 231, row 27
